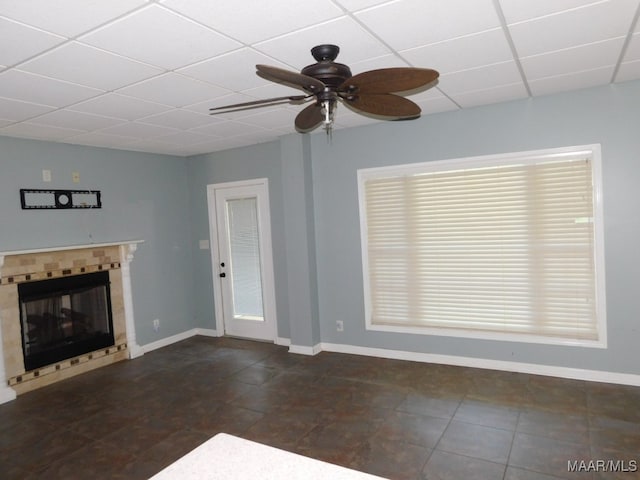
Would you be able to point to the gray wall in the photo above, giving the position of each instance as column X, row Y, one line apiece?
column 606, row 115
column 286, row 165
column 144, row 197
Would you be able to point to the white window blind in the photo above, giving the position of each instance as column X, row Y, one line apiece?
column 244, row 246
column 508, row 248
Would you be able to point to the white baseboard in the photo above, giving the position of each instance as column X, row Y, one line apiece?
column 531, row 368
column 285, row 342
column 206, row 332
column 7, row 394
column 165, row 342
column 304, row 350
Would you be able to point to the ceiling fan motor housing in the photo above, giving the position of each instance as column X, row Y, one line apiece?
column 331, row 73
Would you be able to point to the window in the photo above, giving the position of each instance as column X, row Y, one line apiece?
column 502, row 247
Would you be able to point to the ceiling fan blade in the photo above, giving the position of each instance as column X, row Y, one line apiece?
column 309, row 118
column 387, row 80
column 383, row 104
column 259, row 103
column 299, row 80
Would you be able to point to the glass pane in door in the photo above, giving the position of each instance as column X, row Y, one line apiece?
column 244, row 247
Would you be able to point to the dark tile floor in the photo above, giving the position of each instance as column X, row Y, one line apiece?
column 396, row 419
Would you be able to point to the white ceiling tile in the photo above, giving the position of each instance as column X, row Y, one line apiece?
column 433, row 101
column 584, row 57
column 628, row 71
column 355, row 5
column 462, row 53
column 633, row 49
column 276, row 118
column 67, row 17
column 227, row 128
column 519, row 10
column 572, row 81
column 139, row 130
column 174, row 89
column 119, row 106
column 347, row 118
column 98, row 139
column 4, row 123
column 356, row 44
column 19, row 42
column 181, row 119
column 75, row 120
column 559, row 31
column 159, row 37
column 78, row 63
column 41, row 132
column 436, row 105
column 385, row 61
column 479, row 78
column 410, row 23
column 502, row 93
column 18, row 111
column 234, row 71
column 45, row 91
column 255, row 21
column 183, row 138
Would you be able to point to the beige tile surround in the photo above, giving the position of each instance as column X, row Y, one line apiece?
column 39, row 265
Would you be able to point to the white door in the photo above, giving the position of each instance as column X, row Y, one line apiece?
column 242, row 259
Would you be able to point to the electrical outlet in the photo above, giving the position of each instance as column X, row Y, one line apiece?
column 156, row 325
column 75, row 176
column 340, row 325
column 46, row 175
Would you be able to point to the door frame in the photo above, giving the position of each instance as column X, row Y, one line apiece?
column 266, row 252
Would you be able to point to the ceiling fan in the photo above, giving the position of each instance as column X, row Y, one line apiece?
column 370, row 93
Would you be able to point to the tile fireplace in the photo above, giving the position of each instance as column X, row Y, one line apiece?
column 64, row 311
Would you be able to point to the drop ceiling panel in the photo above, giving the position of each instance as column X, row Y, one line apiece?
column 628, row 71
column 120, row 106
column 502, row 93
column 18, row 111
column 480, row 78
column 410, row 23
column 18, row 42
column 574, row 27
column 41, row 132
column 584, row 57
column 234, row 71
column 462, row 53
column 572, row 81
column 185, row 119
column 520, row 10
column 174, row 89
column 75, row 120
column 159, row 37
column 67, row 17
column 356, row 44
column 255, row 21
column 138, row 130
column 45, row 91
column 84, row 65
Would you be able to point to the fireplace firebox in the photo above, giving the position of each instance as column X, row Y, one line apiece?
column 65, row 317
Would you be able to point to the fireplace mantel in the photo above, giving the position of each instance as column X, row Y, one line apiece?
column 125, row 250
column 131, row 243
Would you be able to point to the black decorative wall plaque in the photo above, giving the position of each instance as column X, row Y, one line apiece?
column 36, row 199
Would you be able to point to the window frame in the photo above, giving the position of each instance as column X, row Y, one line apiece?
column 592, row 152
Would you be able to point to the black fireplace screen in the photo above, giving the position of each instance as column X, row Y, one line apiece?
column 65, row 317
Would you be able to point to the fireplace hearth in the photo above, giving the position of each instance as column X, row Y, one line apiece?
column 65, row 317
